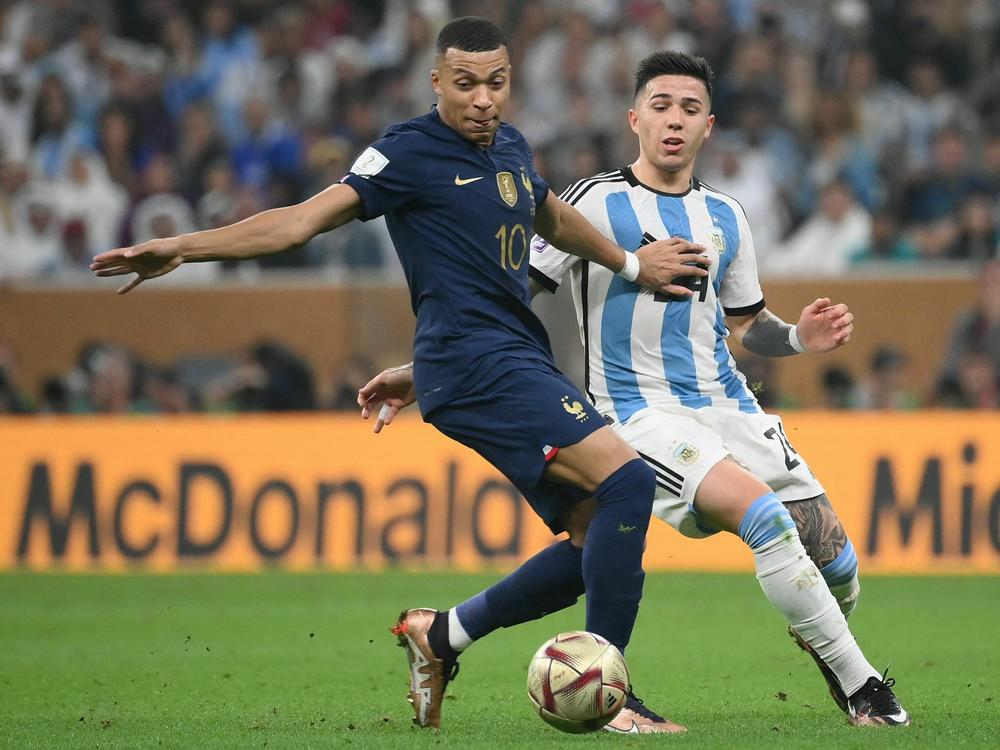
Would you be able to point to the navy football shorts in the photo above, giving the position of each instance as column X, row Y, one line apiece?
column 516, row 416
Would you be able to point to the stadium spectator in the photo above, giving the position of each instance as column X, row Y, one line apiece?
column 885, row 387
column 838, row 152
column 823, row 245
column 165, row 392
column 162, row 212
column 744, row 173
column 90, row 207
column 15, row 110
column 974, row 385
column 12, row 400
column 978, row 234
column 31, row 245
column 270, row 378
column 114, row 381
column 118, row 145
column 839, row 388
column 270, row 150
column 974, row 346
column 888, row 244
column 930, row 107
column 351, row 375
column 55, row 137
column 199, row 147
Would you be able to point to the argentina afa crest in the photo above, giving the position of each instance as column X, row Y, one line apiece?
column 507, row 187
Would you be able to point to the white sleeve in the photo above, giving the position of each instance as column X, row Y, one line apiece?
column 549, row 265
column 740, row 291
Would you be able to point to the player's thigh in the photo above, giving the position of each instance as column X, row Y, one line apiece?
column 518, row 418
column 760, row 443
column 681, row 453
column 726, row 493
column 588, row 463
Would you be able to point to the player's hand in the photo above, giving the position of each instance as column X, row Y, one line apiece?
column 664, row 265
column 147, row 261
column 823, row 327
column 387, row 393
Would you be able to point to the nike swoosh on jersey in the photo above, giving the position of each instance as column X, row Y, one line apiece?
column 459, row 181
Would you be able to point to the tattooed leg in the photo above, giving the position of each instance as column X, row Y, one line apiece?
column 826, row 542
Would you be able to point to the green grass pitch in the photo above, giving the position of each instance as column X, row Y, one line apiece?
column 306, row 660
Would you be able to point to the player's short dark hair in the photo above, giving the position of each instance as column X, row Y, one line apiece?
column 671, row 63
column 471, row 34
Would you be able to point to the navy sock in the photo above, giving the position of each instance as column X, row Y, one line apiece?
column 550, row 581
column 612, row 556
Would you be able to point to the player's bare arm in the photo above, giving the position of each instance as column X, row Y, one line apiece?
column 265, row 233
column 659, row 262
column 388, row 392
column 822, row 327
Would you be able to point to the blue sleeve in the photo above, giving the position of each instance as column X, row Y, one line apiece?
column 386, row 175
column 539, row 187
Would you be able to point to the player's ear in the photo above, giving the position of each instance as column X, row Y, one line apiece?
column 436, row 81
column 708, row 125
column 633, row 120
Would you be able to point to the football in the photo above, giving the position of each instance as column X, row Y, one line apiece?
column 577, row 681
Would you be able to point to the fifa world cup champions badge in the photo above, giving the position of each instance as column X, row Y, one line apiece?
column 507, row 187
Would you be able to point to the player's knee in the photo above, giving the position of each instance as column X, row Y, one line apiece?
column 631, row 487
column 766, row 520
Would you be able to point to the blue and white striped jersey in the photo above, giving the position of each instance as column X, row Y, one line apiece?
column 644, row 348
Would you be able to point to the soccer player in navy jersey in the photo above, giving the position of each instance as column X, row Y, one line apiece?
column 461, row 199
column 659, row 371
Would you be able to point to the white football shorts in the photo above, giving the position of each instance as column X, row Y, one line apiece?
column 682, row 445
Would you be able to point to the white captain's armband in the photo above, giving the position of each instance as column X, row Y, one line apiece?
column 630, row 271
column 370, row 163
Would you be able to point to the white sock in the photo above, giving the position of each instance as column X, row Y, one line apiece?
column 793, row 584
column 847, row 595
column 458, row 639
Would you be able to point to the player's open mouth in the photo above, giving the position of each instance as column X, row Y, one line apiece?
column 673, row 145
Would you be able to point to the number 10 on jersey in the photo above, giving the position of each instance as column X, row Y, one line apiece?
column 508, row 240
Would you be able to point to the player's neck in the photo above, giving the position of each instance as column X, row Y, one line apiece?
column 658, row 179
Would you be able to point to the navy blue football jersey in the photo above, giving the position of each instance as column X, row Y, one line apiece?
column 460, row 217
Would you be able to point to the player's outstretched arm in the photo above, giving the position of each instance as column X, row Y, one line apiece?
column 822, row 327
column 262, row 234
column 659, row 263
column 390, row 391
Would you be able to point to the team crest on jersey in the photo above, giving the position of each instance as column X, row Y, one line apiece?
column 575, row 408
column 719, row 242
column 526, row 182
column 508, row 188
column 686, row 454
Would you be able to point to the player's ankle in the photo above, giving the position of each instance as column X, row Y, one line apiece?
column 437, row 637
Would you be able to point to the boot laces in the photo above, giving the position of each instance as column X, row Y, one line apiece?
column 882, row 698
column 634, row 703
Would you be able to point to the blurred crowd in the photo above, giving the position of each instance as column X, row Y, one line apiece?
column 858, row 135
column 854, row 132
column 106, row 378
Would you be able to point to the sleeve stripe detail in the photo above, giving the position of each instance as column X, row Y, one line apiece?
column 541, row 278
column 577, row 190
column 748, row 310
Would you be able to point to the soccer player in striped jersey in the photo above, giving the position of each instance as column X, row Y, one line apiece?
column 659, row 370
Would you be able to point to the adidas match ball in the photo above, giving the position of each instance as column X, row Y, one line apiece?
column 578, row 681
